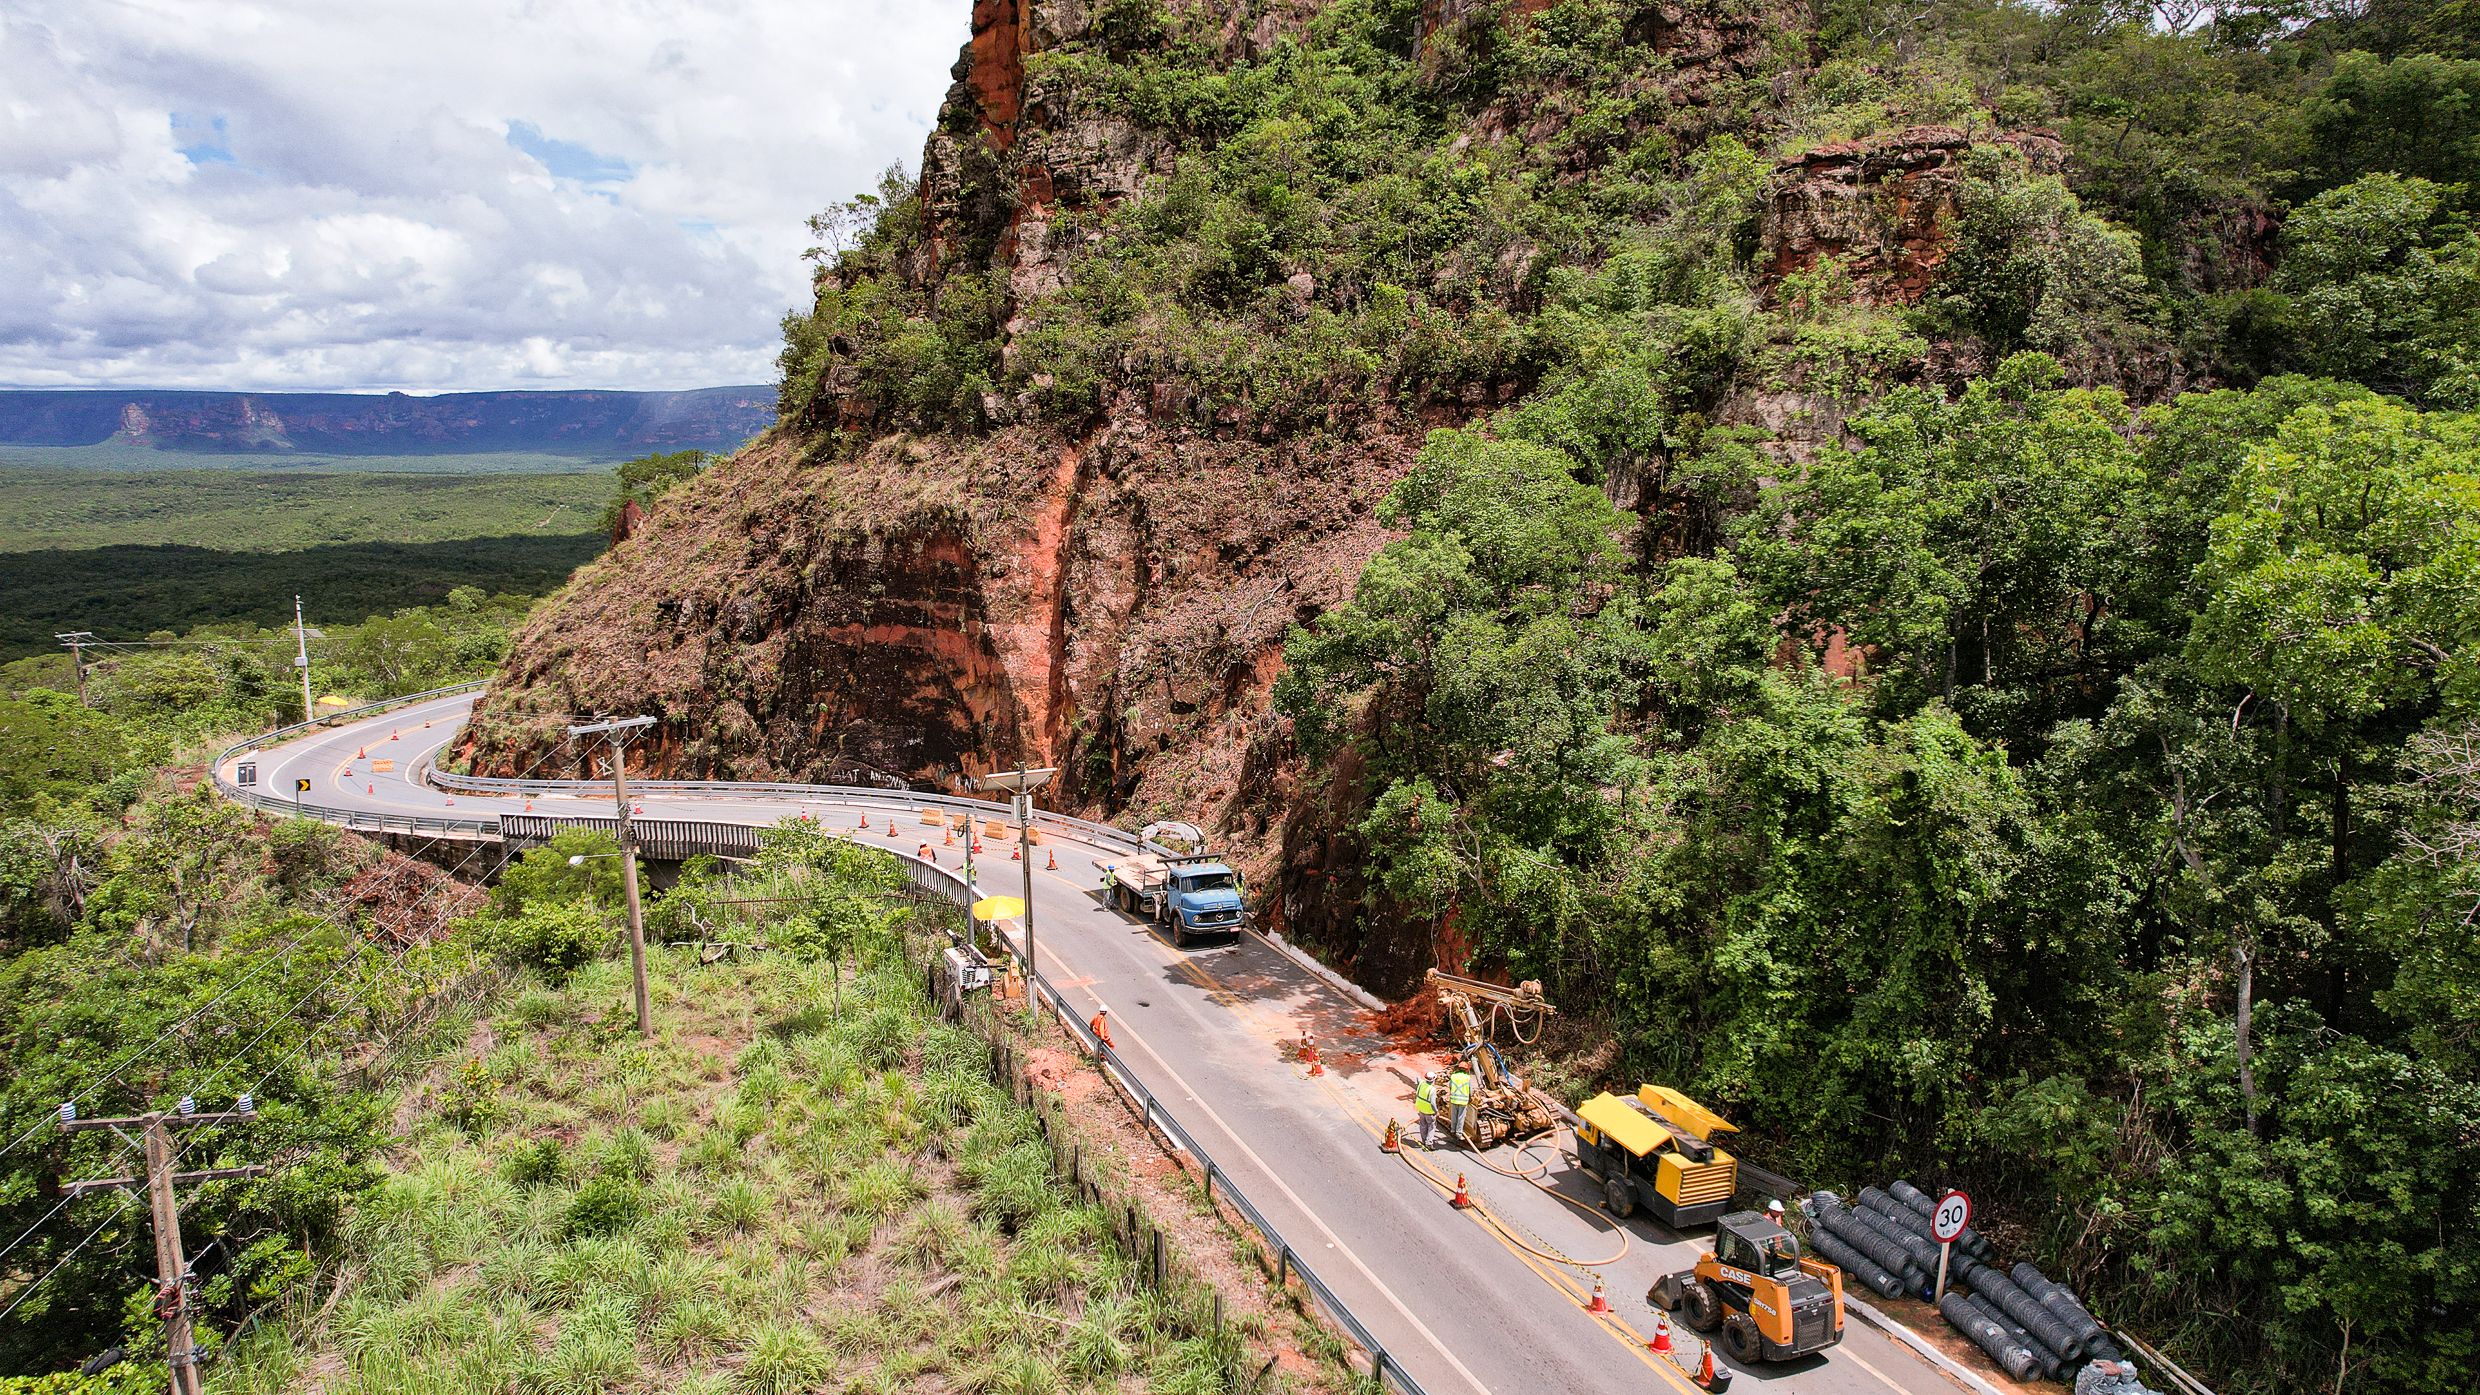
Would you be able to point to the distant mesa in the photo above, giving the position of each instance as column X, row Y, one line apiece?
column 588, row 424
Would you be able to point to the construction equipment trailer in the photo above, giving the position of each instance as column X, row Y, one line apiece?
column 1504, row 1108
column 1655, row 1150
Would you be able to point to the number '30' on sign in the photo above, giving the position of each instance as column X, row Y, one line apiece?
column 1953, row 1213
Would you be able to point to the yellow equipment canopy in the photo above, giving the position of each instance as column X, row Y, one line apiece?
column 997, row 908
column 331, row 700
column 1684, row 1112
column 1624, row 1126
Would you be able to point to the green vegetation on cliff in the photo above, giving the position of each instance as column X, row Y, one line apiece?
column 1944, row 614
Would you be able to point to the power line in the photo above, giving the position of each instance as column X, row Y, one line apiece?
column 325, row 922
column 24, row 1293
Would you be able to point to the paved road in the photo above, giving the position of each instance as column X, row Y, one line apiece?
column 1465, row 1304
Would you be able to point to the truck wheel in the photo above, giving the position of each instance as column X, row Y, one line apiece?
column 1702, row 1306
column 1619, row 1197
column 1741, row 1338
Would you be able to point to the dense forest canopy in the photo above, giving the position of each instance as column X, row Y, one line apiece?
column 2005, row 710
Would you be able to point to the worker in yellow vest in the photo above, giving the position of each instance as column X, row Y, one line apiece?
column 1459, row 1099
column 1425, row 1107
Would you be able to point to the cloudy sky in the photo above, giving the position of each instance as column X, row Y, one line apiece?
column 435, row 195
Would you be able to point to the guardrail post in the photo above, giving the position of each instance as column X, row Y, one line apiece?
column 1282, row 1265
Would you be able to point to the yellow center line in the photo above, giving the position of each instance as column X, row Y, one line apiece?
column 1872, row 1370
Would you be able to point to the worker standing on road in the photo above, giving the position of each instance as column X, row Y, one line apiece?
column 1425, row 1108
column 1101, row 1026
column 1110, row 875
column 1459, row 1099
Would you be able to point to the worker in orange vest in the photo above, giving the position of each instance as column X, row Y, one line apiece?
column 1101, row 1026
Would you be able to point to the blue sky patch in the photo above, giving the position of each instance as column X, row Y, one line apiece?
column 567, row 159
column 201, row 142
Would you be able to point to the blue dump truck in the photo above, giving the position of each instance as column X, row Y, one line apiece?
column 1190, row 897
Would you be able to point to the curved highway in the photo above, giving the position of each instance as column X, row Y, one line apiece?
column 1463, row 1305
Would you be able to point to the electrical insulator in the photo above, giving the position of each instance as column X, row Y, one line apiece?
column 247, row 1105
column 68, row 1111
column 188, row 1106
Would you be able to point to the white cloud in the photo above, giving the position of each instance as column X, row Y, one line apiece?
column 435, row 194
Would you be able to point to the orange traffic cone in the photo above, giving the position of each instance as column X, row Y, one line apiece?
column 637, row 808
column 529, row 806
column 1393, row 1142
column 865, row 823
column 370, row 789
column 426, row 726
column 1600, row 1306
column 1661, row 1343
column 1708, row 1377
column 362, row 754
column 1463, row 1199
column 950, row 841
column 977, row 847
column 1015, row 853
column 1054, row 862
column 1308, row 1052
column 452, row 801
column 396, row 736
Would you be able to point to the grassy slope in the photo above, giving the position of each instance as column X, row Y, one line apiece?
column 821, row 1202
column 244, row 511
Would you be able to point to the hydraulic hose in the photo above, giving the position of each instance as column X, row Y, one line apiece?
column 1507, row 1229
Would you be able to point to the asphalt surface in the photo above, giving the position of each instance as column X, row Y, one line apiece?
column 1494, row 1300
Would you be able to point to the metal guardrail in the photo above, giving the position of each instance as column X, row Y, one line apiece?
column 356, row 819
column 431, row 774
column 1385, row 1368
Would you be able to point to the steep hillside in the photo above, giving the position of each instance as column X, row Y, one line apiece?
column 1064, row 458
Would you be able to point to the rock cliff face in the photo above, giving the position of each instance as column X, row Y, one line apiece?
column 1110, row 600
column 851, row 602
column 1882, row 207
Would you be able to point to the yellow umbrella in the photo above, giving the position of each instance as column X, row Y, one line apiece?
column 997, row 908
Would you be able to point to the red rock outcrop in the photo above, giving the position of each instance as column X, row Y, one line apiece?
column 1881, row 206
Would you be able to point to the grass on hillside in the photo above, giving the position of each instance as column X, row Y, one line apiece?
column 108, row 456
column 257, row 511
column 774, row 1196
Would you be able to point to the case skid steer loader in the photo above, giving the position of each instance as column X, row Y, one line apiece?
column 1770, row 1302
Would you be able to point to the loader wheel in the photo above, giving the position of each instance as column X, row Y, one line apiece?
column 1619, row 1197
column 1741, row 1338
column 1703, row 1306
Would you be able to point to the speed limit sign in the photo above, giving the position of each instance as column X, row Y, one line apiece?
column 1954, row 1212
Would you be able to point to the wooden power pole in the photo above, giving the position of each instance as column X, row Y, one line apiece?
column 77, row 643
column 172, row 1297
column 618, row 733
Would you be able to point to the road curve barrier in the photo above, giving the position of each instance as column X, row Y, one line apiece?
column 359, row 820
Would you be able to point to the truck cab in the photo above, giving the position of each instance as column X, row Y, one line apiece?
column 1191, row 897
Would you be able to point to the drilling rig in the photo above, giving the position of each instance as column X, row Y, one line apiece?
column 1504, row 1107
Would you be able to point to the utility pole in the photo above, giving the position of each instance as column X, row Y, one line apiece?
column 618, row 734
column 77, row 643
column 1023, row 782
column 301, row 660
column 171, row 1266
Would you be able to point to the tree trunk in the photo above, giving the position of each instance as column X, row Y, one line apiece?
column 2244, row 951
